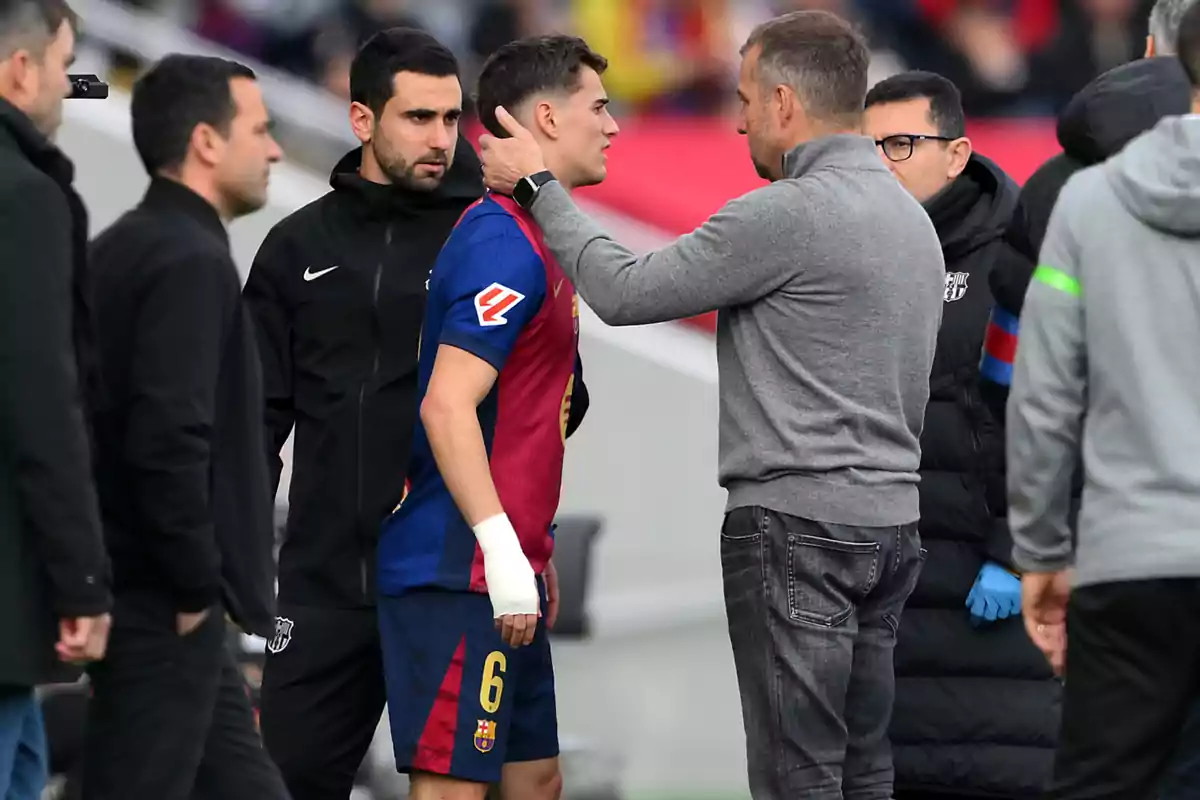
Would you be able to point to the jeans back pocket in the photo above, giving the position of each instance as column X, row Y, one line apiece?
column 827, row 577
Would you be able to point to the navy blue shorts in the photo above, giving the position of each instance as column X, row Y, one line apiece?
column 460, row 701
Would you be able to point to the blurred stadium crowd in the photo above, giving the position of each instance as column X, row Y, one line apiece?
column 1009, row 57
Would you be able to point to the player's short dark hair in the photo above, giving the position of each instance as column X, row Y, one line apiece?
column 32, row 24
column 521, row 69
column 390, row 52
column 945, row 101
column 1187, row 44
column 821, row 56
column 173, row 97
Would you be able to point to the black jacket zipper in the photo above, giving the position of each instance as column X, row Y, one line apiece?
column 362, row 393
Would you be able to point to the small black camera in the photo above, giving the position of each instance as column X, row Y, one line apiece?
column 87, row 87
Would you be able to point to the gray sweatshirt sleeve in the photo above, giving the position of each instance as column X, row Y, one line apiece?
column 1046, row 407
column 733, row 258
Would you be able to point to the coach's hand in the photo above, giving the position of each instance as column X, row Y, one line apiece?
column 1044, row 597
column 512, row 586
column 506, row 161
column 83, row 639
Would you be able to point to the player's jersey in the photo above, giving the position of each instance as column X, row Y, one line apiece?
column 498, row 293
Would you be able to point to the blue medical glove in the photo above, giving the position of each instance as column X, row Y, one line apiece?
column 995, row 595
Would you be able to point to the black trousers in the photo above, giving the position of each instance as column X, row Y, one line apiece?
column 170, row 717
column 322, row 697
column 1133, row 659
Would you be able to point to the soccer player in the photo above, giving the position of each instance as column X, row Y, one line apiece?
column 467, row 589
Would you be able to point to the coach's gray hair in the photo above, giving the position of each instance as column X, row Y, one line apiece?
column 1164, row 24
column 31, row 24
column 821, row 57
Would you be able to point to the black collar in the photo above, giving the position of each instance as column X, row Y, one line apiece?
column 40, row 151
column 463, row 184
column 172, row 195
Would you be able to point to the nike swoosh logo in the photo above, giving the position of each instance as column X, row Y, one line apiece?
column 558, row 287
column 309, row 275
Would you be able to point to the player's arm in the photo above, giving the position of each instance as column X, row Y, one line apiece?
column 496, row 287
column 459, row 383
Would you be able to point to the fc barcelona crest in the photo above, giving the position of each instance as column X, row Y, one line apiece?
column 283, row 635
column 956, row 285
column 485, row 736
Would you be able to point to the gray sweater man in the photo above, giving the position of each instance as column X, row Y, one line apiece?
column 829, row 286
column 1106, row 381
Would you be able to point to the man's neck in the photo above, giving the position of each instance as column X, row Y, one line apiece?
column 369, row 169
column 556, row 168
column 205, row 189
column 817, row 131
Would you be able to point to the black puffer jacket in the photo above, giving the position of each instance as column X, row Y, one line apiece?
column 976, row 710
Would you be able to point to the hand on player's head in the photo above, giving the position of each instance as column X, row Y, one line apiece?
column 506, row 161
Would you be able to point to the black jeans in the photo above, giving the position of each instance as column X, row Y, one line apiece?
column 170, row 717
column 1133, row 670
column 813, row 610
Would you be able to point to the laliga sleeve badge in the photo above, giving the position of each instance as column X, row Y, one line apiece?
column 494, row 302
column 485, row 736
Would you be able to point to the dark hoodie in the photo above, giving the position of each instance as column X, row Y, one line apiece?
column 338, row 294
column 1098, row 122
column 976, row 709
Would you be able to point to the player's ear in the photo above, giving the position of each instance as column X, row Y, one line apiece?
column 544, row 119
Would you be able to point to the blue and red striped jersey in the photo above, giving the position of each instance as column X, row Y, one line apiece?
column 498, row 293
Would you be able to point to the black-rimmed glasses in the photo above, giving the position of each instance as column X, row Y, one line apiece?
column 900, row 146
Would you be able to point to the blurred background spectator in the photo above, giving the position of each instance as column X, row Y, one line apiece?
column 1009, row 57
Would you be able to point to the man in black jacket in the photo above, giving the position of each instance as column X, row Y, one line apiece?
column 183, row 487
column 976, row 709
column 338, row 291
column 53, row 568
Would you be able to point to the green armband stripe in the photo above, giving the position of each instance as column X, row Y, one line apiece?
column 1057, row 279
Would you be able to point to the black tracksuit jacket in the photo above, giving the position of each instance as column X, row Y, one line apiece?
column 338, row 291
column 183, row 488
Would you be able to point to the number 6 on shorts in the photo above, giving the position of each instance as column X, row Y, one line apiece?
column 492, row 687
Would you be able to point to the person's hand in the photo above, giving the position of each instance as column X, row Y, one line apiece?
column 995, row 595
column 83, row 639
column 1044, row 598
column 552, row 596
column 187, row 622
column 511, row 584
column 506, row 161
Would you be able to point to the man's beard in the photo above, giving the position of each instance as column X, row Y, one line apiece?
column 401, row 173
